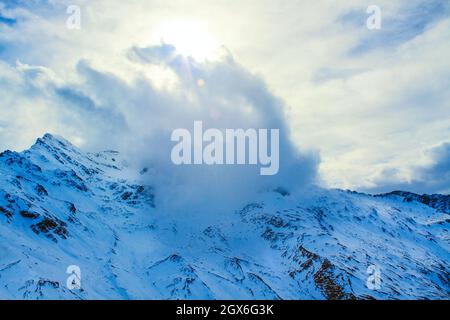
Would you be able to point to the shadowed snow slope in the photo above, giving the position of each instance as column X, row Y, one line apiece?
column 61, row 207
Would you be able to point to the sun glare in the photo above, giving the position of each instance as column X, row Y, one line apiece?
column 191, row 38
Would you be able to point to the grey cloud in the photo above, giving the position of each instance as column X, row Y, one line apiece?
column 434, row 178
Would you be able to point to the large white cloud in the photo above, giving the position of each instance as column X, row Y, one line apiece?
column 101, row 111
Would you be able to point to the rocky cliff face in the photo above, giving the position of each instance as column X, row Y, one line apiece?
column 61, row 207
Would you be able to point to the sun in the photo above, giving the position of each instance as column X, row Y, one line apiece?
column 190, row 37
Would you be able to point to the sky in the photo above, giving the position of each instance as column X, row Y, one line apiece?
column 367, row 110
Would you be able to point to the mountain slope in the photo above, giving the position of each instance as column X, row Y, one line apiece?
column 61, row 207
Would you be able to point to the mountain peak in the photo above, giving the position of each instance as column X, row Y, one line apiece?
column 53, row 144
column 51, row 139
column 49, row 136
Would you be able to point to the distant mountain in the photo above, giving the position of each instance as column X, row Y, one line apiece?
column 60, row 207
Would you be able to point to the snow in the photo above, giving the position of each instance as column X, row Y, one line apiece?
column 60, row 206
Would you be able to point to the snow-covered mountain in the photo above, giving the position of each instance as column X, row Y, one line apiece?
column 61, row 207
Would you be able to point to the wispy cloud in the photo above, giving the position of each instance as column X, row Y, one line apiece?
column 399, row 24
